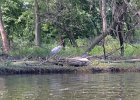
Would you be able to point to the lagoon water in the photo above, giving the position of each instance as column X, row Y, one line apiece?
column 102, row 86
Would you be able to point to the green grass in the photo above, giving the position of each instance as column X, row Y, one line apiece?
column 44, row 51
column 111, row 45
column 34, row 51
column 132, row 50
column 97, row 51
column 71, row 51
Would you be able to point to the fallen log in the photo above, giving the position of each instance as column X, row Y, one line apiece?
column 75, row 61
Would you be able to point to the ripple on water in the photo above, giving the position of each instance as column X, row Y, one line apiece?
column 103, row 86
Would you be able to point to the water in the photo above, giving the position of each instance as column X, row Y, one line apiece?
column 103, row 86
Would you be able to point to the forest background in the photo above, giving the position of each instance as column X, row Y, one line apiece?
column 94, row 27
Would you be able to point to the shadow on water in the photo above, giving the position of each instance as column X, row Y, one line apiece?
column 119, row 86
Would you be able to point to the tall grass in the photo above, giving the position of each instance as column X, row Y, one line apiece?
column 111, row 45
column 45, row 49
column 132, row 50
column 34, row 51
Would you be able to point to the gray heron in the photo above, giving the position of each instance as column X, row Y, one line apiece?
column 57, row 49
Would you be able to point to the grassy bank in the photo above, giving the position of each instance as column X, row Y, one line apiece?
column 111, row 46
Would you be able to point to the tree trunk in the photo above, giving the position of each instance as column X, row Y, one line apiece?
column 100, row 37
column 96, row 41
column 70, row 36
column 104, row 23
column 119, row 14
column 131, row 31
column 120, row 26
column 5, row 43
column 72, row 39
column 37, row 24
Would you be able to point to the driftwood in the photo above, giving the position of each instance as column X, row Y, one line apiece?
column 75, row 61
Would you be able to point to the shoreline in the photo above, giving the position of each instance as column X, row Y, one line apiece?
column 19, row 68
column 96, row 65
column 41, row 71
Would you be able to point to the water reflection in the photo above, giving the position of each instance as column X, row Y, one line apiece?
column 104, row 86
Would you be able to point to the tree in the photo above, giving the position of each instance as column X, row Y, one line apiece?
column 72, row 19
column 104, row 23
column 37, row 24
column 5, row 43
column 119, row 11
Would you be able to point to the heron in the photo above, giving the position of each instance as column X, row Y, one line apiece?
column 57, row 49
column 54, row 52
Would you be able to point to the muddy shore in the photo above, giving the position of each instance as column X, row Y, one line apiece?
column 60, row 70
column 12, row 65
column 32, row 67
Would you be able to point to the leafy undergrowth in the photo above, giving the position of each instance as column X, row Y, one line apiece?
column 44, row 51
column 111, row 46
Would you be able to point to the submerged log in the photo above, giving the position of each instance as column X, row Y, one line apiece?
column 75, row 61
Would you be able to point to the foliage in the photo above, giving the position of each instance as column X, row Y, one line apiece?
column 109, row 43
column 81, row 18
column 18, row 19
column 44, row 51
column 132, row 50
column 33, row 51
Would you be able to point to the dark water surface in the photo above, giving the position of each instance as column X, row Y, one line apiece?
column 103, row 86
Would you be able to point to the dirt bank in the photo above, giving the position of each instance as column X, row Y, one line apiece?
column 60, row 70
column 34, row 67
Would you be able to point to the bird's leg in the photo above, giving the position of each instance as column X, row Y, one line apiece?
column 56, row 57
column 49, row 57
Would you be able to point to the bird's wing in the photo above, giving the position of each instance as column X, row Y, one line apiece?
column 56, row 50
